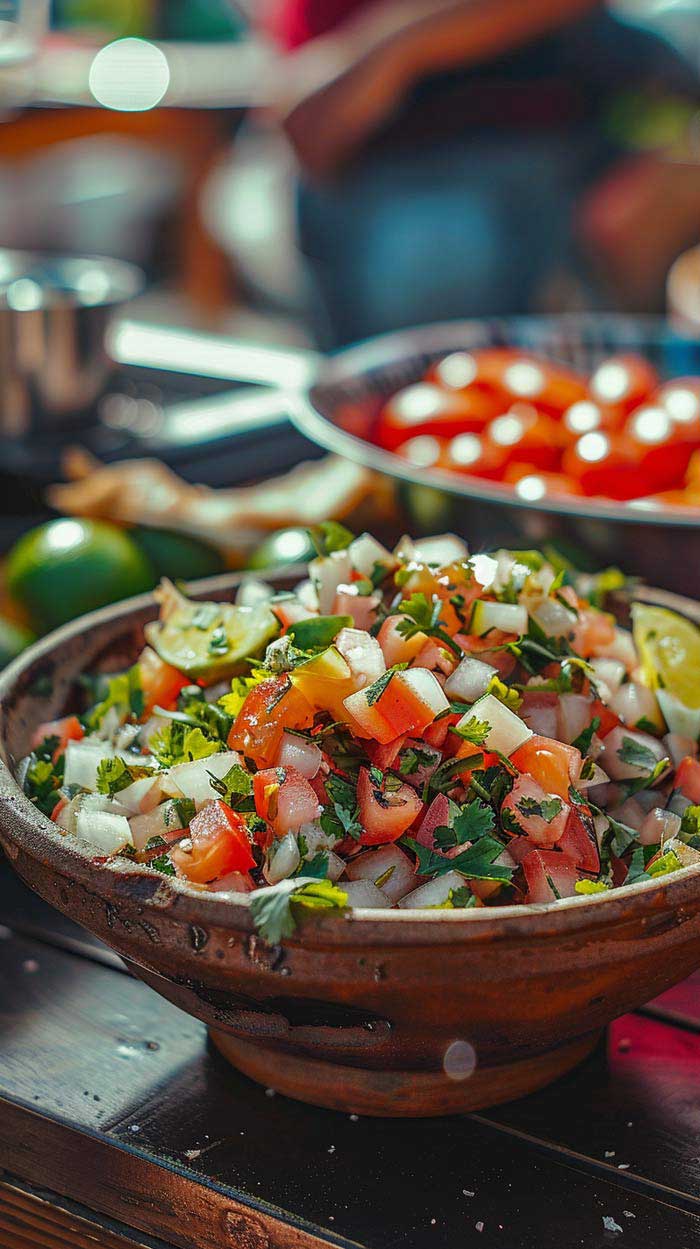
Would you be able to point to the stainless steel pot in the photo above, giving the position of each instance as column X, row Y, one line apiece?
column 54, row 312
column 335, row 402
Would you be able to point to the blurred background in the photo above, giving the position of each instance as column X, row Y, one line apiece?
column 263, row 180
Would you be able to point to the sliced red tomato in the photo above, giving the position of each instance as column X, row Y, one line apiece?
column 270, row 708
column 608, row 464
column 579, row 842
column 385, row 813
column 549, row 875
column 68, row 729
column 426, row 408
column 436, row 816
column 62, row 802
column 220, row 844
column 526, row 435
column 608, row 719
column 687, row 778
column 541, row 816
column 285, row 799
column 554, row 765
column 234, row 882
column 395, row 648
column 593, row 632
column 385, row 756
column 160, row 682
column 487, row 649
column 623, row 382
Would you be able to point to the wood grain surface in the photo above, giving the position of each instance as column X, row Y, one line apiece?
column 112, row 1098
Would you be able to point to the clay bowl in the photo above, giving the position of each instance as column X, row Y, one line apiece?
column 380, row 1013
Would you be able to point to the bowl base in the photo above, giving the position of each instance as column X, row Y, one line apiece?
column 398, row 1094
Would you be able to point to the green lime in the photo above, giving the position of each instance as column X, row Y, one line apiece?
column 13, row 639
column 177, row 555
column 208, row 640
column 70, row 566
column 286, row 546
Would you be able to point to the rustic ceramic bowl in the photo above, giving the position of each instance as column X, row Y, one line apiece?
column 381, row 1013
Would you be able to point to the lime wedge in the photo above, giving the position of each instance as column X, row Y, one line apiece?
column 668, row 646
column 208, row 641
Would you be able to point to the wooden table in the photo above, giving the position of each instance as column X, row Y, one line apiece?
column 119, row 1126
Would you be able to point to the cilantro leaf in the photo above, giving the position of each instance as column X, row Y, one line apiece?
column 374, row 691
column 318, row 632
column 547, row 810
column 163, row 864
column 473, row 821
column 476, row 863
column 177, row 743
column 112, row 776
column 420, row 616
column 340, row 819
column 457, row 899
column 591, row 886
column 637, row 755
column 125, row 693
column 413, row 759
column 42, row 782
column 475, row 731
column 330, row 536
column 272, row 907
column 585, row 737
column 234, row 785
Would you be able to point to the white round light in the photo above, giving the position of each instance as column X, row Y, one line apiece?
column 531, row 488
column 129, row 75
column 418, row 403
column 24, row 295
column 422, row 450
column 611, row 381
column 683, row 406
column 651, row 425
column 465, row 449
column 593, row 447
column 506, row 430
column 459, row 1062
column 582, row 417
column 457, row 370
column 524, row 378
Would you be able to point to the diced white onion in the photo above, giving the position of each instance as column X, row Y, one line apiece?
column 510, row 617
column 192, row 780
column 623, row 649
column 363, row 654
column 470, row 679
column 506, row 732
column 615, row 742
column 574, row 716
column 678, row 747
column 629, row 812
column 162, row 821
column 687, row 856
column 608, row 672
column 300, row 753
column 142, row 795
column 553, row 617
column 252, row 591
column 659, row 826
column 327, row 573
column 364, row 893
column 374, row 864
column 443, row 549
column 365, row 552
column 433, row 892
column 82, row 761
column 633, row 702
column 107, row 832
column 283, row 861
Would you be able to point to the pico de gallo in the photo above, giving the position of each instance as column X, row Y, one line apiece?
column 417, row 728
column 548, row 431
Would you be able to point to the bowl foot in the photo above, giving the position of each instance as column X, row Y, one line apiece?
column 396, row 1094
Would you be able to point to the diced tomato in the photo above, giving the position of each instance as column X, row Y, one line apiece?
column 579, row 842
column 436, row 816
column 234, row 882
column 290, row 610
column 220, row 845
column 385, row 756
column 526, row 435
column 467, row 751
column 160, row 682
column 623, row 382
column 549, row 875
column 487, row 649
column 362, row 607
column 688, row 778
column 608, row 719
column 68, row 729
column 408, row 704
column 270, row 708
column 285, row 799
column 520, row 847
column 528, row 806
column 425, row 408
column 436, row 658
column 62, row 802
column 438, row 733
column 552, row 764
column 593, row 632
column 385, row 813
column 398, row 649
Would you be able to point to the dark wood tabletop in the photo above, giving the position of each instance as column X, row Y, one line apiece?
column 120, row 1126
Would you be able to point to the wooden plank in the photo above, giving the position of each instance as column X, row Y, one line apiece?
column 83, row 1041
column 33, row 1219
column 633, row 1105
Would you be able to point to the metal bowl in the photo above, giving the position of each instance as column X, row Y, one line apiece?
column 54, row 312
column 340, row 405
column 392, row 1012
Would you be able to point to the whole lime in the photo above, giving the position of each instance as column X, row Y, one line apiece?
column 177, row 555
column 70, row 566
column 286, row 546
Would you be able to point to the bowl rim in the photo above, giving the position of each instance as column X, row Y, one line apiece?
column 38, row 835
column 126, row 280
column 351, row 362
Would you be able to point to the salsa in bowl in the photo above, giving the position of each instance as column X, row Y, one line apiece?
column 417, row 729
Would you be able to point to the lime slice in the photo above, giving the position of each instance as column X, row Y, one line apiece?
column 669, row 651
column 208, row 640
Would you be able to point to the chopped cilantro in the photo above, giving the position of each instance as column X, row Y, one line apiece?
column 548, row 809
column 176, row 743
column 690, row 822
column 42, row 782
column 591, row 886
column 509, row 697
column 374, row 691
column 218, row 642
column 413, row 759
column 272, row 908
column 420, row 616
column 475, row 731
column 330, row 536
column 125, row 693
column 585, row 737
column 234, row 785
column 476, row 863
column 637, row 755
column 163, row 864
column 473, row 821
column 113, row 775
column 340, row 818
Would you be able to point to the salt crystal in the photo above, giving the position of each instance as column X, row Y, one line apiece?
column 5, row 932
column 433, row 1222
column 623, row 1166
column 354, row 1118
column 30, row 965
column 467, row 1193
column 610, row 1153
column 269, row 1092
column 192, row 1153
column 479, row 1226
column 331, row 1149
column 610, row 1225
column 628, row 1214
